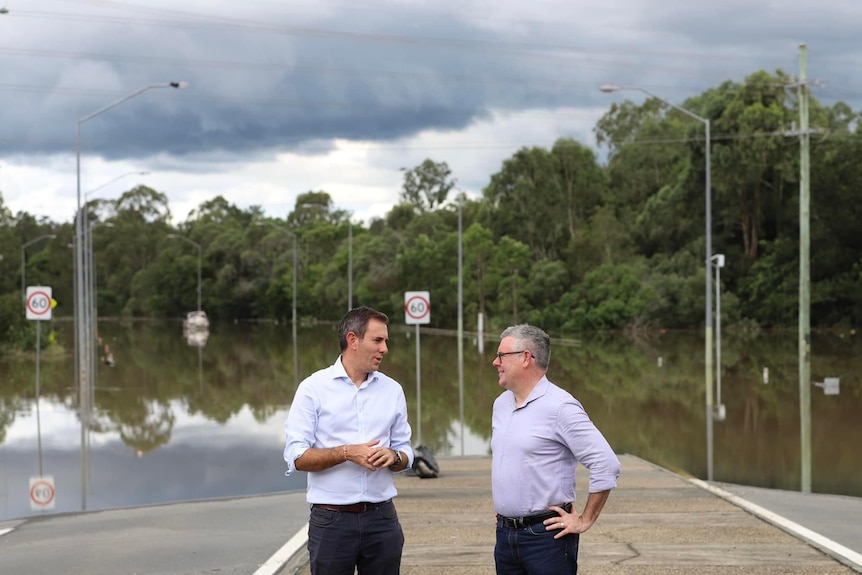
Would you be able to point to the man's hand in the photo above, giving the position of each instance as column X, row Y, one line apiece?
column 381, row 457
column 364, row 454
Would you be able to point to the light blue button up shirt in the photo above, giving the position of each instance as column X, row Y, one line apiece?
column 536, row 448
column 328, row 410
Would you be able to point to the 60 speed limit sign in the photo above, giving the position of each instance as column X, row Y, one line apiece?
column 39, row 302
column 42, row 492
column 417, row 307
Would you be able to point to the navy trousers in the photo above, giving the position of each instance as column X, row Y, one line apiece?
column 371, row 542
column 532, row 550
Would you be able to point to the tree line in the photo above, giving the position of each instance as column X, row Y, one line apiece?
column 557, row 238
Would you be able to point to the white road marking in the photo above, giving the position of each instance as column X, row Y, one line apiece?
column 840, row 552
column 274, row 564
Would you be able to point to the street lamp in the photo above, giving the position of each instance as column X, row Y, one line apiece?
column 109, row 182
column 198, row 246
column 461, row 316
column 293, row 310
column 83, row 345
column 90, row 272
column 718, row 262
column 608, row 88
column 24, row 259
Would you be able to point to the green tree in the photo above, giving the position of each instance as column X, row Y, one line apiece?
column 427, row 186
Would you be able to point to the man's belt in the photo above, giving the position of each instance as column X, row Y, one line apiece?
column 360, row 507
column 520, row 522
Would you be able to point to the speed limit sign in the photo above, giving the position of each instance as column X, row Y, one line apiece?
column 39, row 302
column 417, row 307
column 42, row 492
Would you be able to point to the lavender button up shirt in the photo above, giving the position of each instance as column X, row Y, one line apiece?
column 537, row 446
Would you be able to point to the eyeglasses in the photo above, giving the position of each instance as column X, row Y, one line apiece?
column 501, row 354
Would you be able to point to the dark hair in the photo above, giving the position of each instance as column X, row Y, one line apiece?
column 356, row 320
column 533, row 339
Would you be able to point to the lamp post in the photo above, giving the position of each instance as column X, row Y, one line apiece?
column 109, row 182
column 720, row 411
column 24, row 260
column 461, row 317
column 92, row 312
column 83, row 343
column 608, row 88
column 349, row 264
column 293, row 305
column 198, row 246
column 90, row 273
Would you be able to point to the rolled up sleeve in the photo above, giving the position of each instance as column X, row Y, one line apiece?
column 299, row 428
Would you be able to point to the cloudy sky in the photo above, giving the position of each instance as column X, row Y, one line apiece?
column 287, row 96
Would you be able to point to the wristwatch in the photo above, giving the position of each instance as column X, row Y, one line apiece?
column 398, row 459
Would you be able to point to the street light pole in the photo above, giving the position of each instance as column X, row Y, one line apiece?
column 461, row 317
column 200, row 251
column 108, row 183
column 90, row 275
column 23, row 261
column 349, row 264
column 293, row 305
column 608, row 88
column 83, row 343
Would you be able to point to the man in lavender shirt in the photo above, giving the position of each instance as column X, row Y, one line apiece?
column 539, row 435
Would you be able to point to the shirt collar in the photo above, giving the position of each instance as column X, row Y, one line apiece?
column 539, row 390
column 340, row 373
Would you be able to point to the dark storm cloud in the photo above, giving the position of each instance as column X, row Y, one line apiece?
column 281, row 80
column 260, row 90
column 737, row 38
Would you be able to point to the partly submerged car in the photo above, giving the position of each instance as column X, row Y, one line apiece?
column 196, row 320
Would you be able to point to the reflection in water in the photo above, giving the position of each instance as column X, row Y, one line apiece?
column 179, row 422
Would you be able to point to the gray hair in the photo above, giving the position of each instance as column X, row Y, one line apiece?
column 532, row 339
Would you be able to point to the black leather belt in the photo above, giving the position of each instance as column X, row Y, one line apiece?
column 520, row 522
column 353, row 507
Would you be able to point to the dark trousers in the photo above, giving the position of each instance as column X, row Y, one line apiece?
column 532, row 550
column 370, row 541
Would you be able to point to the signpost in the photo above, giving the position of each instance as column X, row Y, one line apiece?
column 417, row 311
column 42, row 493
column 40, row 306
column 38, row 303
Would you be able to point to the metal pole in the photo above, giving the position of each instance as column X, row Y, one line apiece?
column 38, row 391
column 418, row 390
column 708, row 320
column 718, row 335
column 80, row 287
column 708, row 329
column 200, row 369
column 349, row 265
column 80, row 320
column 804, row 279
column 92, row 328
column 293, row 311
column 200, row 256
column 461, row 320
column 23, row 272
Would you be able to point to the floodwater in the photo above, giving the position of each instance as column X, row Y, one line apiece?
column 170, row 421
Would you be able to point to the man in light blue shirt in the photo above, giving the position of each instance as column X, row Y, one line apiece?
column 539, row 435
column 347, row 427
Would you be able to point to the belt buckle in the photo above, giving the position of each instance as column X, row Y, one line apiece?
column 513, row 522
